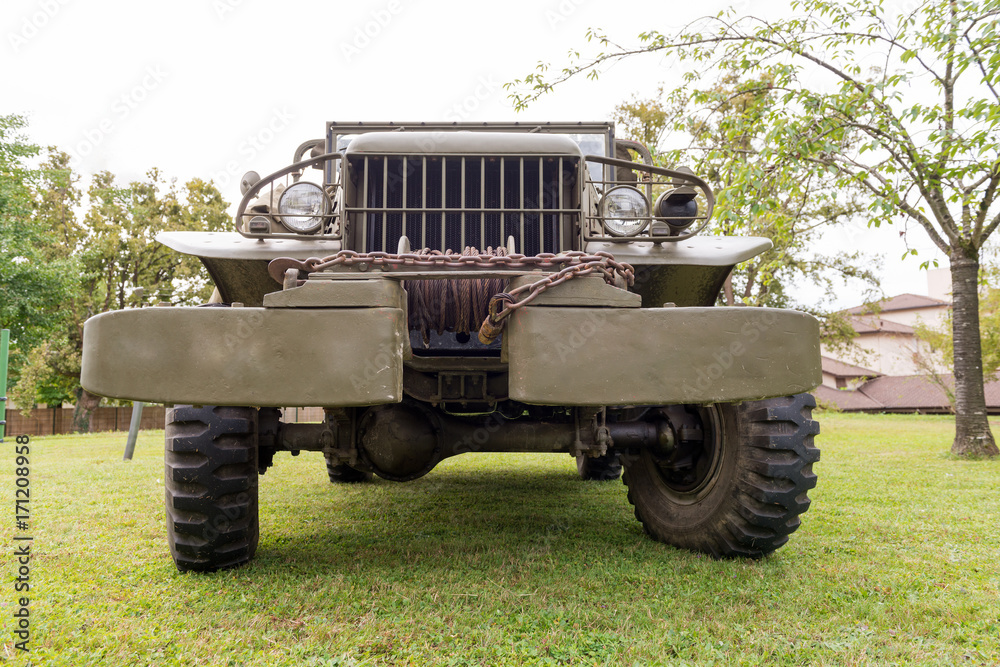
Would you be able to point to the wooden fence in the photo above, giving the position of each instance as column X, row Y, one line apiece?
column 50, row 421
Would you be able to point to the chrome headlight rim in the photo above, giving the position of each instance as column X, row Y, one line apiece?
column 607, row 219
column 303, row 223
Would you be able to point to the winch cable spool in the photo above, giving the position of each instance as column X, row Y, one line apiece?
column 457, row 305
column 466, row 301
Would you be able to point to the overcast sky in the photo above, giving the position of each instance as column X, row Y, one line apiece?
column 213, row 88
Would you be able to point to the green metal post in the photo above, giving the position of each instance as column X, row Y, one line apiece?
column 4, row 343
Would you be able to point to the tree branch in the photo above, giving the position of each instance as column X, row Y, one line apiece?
column 979, row 237
column 887, row 192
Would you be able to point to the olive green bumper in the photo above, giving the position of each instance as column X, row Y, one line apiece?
column 247, row 356
column 655, row 356
column 348, row 356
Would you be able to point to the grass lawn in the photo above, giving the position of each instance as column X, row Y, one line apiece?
column 511, row 560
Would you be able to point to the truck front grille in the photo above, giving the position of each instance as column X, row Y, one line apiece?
column 450, row 202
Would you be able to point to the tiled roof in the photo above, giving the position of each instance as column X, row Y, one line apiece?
column 901, row 302
column 901, row 393
column 907, row 391
column 842, row 370
column 845, row 399
column 870, row 324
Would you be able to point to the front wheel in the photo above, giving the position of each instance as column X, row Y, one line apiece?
column 604, row 468
column 211, row 486
column 341, row 473
column 736, row 480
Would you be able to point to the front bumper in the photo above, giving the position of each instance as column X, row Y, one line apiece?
column 354, row 356
column 659, row 356
column 279, row 357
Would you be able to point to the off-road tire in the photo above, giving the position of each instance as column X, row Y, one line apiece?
column 341, row 473
column 599, row 468
column 211, row 486
column 750, row 502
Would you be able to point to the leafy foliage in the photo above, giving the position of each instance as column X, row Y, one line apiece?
column 901, row 103
column 33, row 285
column 119, row 252
column 724, row 128
column 61, row 266
column 864, row 126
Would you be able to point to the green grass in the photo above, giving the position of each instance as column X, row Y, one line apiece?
column 511, row 560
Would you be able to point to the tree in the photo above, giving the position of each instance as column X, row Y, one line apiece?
column 939, row 342
column 916, row 131
column 33, row 285
column 719, row 132
column 113, row 251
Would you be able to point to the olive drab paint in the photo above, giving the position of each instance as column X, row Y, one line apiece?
column 606, row 346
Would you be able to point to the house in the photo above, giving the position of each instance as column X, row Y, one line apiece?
column 886, row 369
column 886, row 339
column 840, row 375
column 901, row 393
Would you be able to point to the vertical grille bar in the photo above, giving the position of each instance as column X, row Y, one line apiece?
column 503, row 201
column 541, row 206
column 385, row 197
column 462, row 245
column 423, row 204
column 482, row 202
column 366, row 200
column 444, row 216
column 522, row 205
column 562, row 221
column 440, row 202
column 405, row 194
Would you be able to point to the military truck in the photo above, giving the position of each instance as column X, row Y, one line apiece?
column 443, row 288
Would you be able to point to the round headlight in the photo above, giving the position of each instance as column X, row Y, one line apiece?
column 302, row 207
column 625, row 211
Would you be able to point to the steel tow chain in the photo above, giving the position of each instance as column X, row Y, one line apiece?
column 505, row 303
column 569, row 265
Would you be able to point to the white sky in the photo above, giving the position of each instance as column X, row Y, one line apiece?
column 213, row 88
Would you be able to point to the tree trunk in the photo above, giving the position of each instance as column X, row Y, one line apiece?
column 972, row 429
column 86, row 403
column 727, row 290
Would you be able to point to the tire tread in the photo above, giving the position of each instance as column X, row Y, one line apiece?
column 341, row 473
column 606, row 468
column 774, row 473
column 211, row 487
